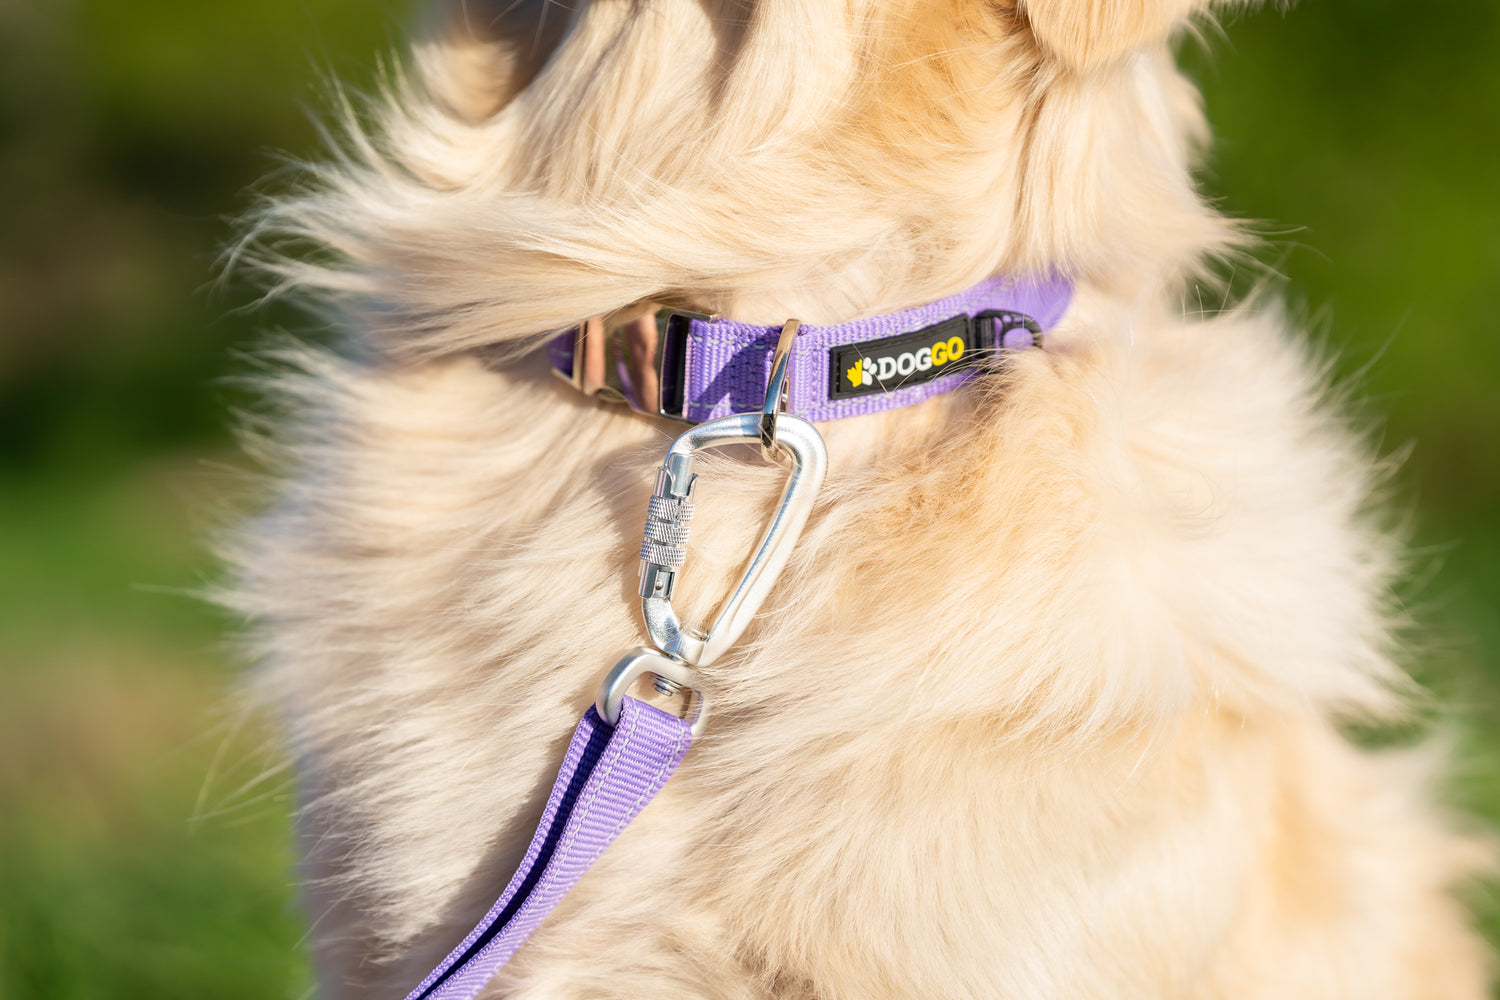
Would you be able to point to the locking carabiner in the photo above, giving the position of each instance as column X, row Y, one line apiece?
column 670, row 512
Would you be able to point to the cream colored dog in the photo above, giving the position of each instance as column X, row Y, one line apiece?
column 1047, row 702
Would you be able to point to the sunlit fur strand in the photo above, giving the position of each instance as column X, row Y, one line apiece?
column 1046, row 701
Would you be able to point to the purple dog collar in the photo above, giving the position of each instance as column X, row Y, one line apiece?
column 697, row 368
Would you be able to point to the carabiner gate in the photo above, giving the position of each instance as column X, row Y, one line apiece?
column 671, row 510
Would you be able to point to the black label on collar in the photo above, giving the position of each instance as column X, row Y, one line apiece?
column 902, row 360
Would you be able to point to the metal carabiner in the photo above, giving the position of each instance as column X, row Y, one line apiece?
column 664, row 549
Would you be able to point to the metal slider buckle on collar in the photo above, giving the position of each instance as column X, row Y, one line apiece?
column 641, row 363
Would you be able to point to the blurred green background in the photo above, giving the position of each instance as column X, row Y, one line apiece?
column 143, row 835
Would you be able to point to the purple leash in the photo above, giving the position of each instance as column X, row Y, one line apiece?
column 607, row 777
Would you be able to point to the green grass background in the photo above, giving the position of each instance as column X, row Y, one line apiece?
column 143, row 833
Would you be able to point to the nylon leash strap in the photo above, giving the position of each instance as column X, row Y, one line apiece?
column 608, row 775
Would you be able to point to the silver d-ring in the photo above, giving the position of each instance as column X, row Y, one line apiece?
column 776, row 390
column 645, row 660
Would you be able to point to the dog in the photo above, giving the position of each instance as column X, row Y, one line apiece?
column 1048, row 699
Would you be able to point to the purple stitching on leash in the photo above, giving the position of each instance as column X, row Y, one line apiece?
column 607, row 777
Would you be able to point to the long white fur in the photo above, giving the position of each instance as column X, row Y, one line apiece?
column 1046, row 703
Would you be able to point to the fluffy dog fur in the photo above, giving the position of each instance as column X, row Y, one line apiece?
column 1046, row 703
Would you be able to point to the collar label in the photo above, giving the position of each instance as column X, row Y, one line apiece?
column 905, row 359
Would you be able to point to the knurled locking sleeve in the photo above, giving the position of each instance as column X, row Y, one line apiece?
column 667, row 523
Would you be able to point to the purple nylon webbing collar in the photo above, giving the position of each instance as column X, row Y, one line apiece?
column 711, row 367
column 607, row 777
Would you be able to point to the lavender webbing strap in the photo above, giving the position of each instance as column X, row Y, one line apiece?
column 728, row 363
column 607, row 777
